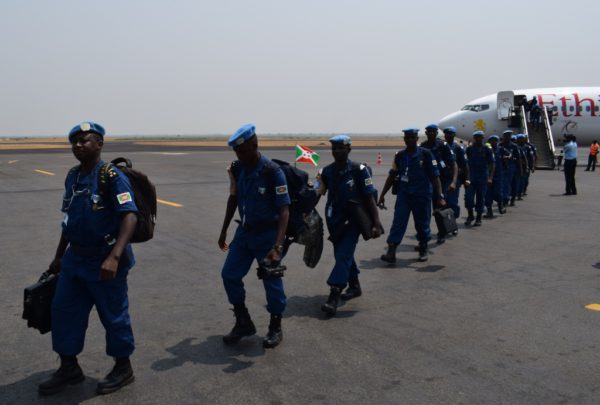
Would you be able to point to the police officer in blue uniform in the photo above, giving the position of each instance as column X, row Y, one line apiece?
column 258, row 189
column 519, row 179
column 494, row 190
column 344, row 181
column 446, row 163
column 513, row 166
column 93, row 258
column 413, row 173
column 481, row 169
column 452, row 195
column 528, row 159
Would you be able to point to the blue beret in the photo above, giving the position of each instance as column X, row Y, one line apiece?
column 520, row 136
column 341, row 139
column 450, row 130
column 508, row 131
column 496, row 137
column 240, row 136
column 478, row 133
column 513, row 137
column 86, row 127
column 411, row 131
column 432, row 126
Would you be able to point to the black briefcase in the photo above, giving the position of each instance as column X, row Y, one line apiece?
column 445, row 221
column 359, row 214
column 37, row 303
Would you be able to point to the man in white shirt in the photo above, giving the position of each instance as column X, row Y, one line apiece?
column 570, row 163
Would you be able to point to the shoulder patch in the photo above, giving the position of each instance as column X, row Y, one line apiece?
column 368, row 181
column 124, row 198
column 434, row 162
column 280, row 190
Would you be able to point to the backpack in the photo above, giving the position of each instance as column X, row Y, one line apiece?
column 144, row 196
column 303, row 196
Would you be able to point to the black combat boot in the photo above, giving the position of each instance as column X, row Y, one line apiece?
column 470, row 217
column 423, row 252
column 330, row 307
column 478, row 219
column 501, row 208
column 243, row 325
column 275, row 334
column 512, row 202
column 353, row 290
column 119, row 376
column 390, row 256
column 490, row 212
column 69, row 373
column 441, row 238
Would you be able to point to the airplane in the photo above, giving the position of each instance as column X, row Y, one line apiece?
column 571, row 111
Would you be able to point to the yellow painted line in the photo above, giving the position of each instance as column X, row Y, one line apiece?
column 43, row 172
column 10, row 162
column 172, row 204
column 593, row 307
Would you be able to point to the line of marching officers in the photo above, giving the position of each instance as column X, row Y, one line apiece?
column 424, row 177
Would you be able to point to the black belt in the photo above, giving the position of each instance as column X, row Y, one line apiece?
column 260, row 227
column 89, row 251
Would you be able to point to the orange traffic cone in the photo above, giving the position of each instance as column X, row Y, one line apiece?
column 379, row 159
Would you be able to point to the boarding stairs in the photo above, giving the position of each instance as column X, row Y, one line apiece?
column 540, row 136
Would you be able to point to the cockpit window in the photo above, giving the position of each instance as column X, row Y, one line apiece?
column 476, row 107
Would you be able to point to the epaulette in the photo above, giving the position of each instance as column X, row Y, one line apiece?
column 111, row 172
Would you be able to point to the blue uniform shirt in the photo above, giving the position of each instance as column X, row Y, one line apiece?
column 499, row 154
column 513, row 152
column 570, row 149
column 444, row 156
column 88, row 217
column 413, row 172
column 479, row 158
column 459, row 154
column 261, row 191
column 341, row 187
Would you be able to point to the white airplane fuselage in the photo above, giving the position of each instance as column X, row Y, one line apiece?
column 575, row 111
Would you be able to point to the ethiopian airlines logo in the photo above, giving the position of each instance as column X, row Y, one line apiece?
column 479, row 124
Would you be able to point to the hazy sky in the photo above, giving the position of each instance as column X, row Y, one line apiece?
column 200, row 67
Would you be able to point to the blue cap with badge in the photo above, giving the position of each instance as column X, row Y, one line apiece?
column 245, row 133
column 411, row 131
column 432, row 126
column 450, row 130
column 494, row 138
column 85, row 127
column 478, row 133
column 341, row 139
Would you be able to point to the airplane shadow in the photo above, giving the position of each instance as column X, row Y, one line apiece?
column 25, row 391
column 310, row 307
column 212, row 351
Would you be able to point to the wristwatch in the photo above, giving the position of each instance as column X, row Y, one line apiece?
column 278, row 248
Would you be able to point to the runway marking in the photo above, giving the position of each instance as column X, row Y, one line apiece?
column 10, row 162
column 593, row 307
column 44, row 172
column 173, row 153
column 172, row 204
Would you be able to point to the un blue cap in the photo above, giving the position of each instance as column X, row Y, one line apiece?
column 432, row 126
column 450, row 130
column 85, row 127
column 494, row 137
column 243, row 134
column 341, row 139
column 410, row 131
column 478, row 133
column 508, row 131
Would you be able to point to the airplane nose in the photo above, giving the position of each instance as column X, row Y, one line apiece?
column 452, row 120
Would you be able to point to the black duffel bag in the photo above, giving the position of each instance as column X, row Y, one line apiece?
column 37, row 303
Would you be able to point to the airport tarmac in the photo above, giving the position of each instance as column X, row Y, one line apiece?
column 497, row 315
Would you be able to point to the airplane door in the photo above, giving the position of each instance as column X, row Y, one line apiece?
column 505, row 103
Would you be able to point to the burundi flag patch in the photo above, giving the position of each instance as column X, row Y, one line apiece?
column 124, row 198
column 281, row 190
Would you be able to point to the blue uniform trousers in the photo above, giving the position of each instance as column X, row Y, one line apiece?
column 452, row 199
column 475, row 195
column 525, row 181
column 246, row 247
column 509, row 174
column 515, row 187
column 345, row 267
column 494, row 191
column 79, row 289
column 420, row 206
